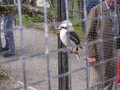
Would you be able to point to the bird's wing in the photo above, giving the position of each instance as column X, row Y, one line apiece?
column 74, row 37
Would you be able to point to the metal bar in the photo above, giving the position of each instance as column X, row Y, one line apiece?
column 22, row 44
column 46, row 44
column 84, row 27
column 62, row 59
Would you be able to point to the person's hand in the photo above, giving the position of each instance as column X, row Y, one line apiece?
column 92, row 61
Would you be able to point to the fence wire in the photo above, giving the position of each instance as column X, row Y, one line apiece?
column 35, row 63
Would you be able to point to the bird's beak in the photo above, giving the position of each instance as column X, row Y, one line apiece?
column 58, row 28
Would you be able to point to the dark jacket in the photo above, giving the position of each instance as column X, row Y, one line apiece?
column 91, row 4
column 6, row 2
column 118, row 40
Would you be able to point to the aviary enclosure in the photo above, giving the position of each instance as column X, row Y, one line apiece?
column 39, row 62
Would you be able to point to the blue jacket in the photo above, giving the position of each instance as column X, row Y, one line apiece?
column 91, row 4
column 6, row 2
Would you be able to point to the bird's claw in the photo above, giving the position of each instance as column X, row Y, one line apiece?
column 64, row 52
column 74, row 52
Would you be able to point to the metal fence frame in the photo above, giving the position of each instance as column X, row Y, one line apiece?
column 64, row 77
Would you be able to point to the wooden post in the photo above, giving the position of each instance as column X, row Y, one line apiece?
column 62, row 58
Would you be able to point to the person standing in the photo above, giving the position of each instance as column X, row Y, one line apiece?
column 8, row 30
column 103, row 30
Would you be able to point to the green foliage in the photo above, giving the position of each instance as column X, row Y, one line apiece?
column 27, row 21
column 77, row 26
column 38, row 18
column 52, row 3
column 79, row 30
column 53, row 12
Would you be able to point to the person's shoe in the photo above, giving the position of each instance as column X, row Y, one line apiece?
column 4, row 49
column 8, row 54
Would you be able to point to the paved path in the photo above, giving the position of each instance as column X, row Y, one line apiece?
column 36, row 67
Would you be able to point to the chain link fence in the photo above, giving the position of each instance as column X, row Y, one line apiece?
column 36, row 64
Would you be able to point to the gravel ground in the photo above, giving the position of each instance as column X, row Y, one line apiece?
column 36, row 67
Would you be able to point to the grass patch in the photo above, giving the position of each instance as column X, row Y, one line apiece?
column 79, row 30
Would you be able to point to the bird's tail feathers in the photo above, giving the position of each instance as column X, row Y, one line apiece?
column 78, row 56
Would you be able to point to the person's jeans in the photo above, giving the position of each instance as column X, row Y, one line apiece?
column 8, row 30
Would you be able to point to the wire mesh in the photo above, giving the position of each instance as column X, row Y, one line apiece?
column 35, row 63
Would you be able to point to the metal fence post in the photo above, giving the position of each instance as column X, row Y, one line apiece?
column 62, row 59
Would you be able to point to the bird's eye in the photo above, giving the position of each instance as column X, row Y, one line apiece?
column 64, row 27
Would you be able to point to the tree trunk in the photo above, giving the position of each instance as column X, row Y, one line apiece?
column 26, row 9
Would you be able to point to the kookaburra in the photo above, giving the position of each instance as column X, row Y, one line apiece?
column 67, row 35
